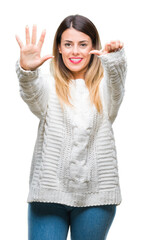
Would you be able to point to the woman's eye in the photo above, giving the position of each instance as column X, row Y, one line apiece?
column 83, row 44
column 67, row 44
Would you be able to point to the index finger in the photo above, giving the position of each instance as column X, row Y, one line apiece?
column 41, row 40
column 20, row 43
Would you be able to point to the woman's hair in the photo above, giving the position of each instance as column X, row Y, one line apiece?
column 94, row 71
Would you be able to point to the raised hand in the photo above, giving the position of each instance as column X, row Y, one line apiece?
column 113, row 46
column 30, row 58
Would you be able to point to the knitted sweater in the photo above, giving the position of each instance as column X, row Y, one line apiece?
column 74, row 160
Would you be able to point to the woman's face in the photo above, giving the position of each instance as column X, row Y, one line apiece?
column 75, row 47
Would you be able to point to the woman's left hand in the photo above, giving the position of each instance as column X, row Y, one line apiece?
column 112, row 46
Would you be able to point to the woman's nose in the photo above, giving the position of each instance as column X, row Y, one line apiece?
column 75, row 50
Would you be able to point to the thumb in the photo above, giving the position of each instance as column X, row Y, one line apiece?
column 45, row 58
column 96, row 52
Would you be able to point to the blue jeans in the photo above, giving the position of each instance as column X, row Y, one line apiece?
column 51, row 221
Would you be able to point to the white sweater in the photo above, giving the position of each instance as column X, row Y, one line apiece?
column 74, row 160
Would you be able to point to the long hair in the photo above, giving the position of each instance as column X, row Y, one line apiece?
column 94, row 71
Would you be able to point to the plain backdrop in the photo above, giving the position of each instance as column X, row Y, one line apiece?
column 18, row 126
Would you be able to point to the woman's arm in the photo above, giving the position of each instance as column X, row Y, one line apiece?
column 33, row 86
column 34, row 89
column 115, row 69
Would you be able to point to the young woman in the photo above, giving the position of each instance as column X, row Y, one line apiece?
column 74, row 172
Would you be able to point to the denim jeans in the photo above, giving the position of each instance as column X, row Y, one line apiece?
column 51, row 221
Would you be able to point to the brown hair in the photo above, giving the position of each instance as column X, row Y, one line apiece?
column 63, row 75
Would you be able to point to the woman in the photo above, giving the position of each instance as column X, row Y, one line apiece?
column 74, row 173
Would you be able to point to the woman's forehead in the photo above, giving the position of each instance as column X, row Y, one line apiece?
column 72, row 34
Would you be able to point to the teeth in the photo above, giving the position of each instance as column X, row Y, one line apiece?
column 75, row 60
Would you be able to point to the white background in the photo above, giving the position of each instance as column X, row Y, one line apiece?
column 18, row 127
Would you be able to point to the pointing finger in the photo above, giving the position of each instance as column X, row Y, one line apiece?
column 41, row 40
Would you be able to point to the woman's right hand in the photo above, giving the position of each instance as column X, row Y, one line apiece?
column 30, row 58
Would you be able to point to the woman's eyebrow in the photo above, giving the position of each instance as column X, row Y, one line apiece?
column 79, row 41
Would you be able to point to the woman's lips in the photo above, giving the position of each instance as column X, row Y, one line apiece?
column 75, row 60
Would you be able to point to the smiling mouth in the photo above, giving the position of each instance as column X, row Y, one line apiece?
column 75, row 60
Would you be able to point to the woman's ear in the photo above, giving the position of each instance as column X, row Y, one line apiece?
column 59, row 47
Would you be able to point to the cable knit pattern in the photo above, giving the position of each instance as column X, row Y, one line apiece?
column 74, row 160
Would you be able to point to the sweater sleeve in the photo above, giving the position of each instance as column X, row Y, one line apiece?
column 115, row 69
column 33, row 90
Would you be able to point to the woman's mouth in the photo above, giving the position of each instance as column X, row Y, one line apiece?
column 75, row 60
